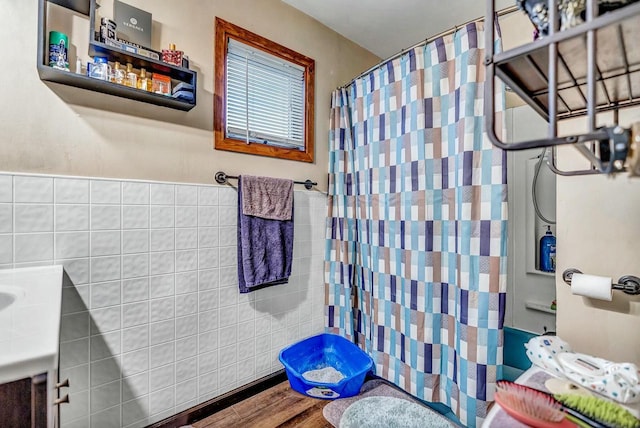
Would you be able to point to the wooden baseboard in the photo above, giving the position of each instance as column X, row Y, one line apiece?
column 217, row 404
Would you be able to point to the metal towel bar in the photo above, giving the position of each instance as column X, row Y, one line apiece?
column 222, row 178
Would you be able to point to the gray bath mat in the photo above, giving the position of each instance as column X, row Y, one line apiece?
column 335, row 410
column 390, row 412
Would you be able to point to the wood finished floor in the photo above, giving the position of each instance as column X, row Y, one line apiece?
column 277, row 407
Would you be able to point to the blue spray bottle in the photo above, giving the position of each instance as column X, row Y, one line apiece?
column 548, row 252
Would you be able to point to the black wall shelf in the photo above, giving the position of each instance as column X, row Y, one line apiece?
column 50, row 74
column 80, row 6
column 87, row 8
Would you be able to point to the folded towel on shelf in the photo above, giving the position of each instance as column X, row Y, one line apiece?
column 267, row 197
column 265, row 248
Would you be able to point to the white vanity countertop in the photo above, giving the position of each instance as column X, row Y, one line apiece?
column 30, row 326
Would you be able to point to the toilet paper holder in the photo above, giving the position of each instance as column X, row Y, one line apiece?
column 628, row 284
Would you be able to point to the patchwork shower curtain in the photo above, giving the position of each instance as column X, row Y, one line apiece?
column 415, row 268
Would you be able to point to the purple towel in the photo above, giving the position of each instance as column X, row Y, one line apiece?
column 265, row 250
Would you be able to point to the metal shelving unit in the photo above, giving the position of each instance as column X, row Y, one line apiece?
column 88, row 8
column 582, row 71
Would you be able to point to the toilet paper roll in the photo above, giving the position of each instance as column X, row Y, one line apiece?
column 595, row 287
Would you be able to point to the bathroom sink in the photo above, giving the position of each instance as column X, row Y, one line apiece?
column 8, row 295
column 30, row 310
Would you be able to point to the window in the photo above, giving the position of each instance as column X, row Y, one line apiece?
column 264, row 96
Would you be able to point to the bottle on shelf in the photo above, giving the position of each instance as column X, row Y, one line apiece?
column 58, row 52
column 78, row 65
column 172, row 56
column 119, row 75
column 100, row 68
column 548, row 252
column 131, row 77
column 144, row 82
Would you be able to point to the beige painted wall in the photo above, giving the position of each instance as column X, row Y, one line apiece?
column 598, row 233
column 55, row 129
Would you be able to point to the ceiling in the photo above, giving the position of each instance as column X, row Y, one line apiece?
column 385, row 27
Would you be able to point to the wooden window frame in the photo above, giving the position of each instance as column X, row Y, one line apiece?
column 225, row 31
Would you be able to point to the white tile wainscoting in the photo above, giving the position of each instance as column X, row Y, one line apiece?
column 152, row 320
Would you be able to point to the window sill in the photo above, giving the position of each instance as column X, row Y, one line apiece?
column 233, row 145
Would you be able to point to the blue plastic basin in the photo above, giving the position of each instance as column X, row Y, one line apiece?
column 326, row 350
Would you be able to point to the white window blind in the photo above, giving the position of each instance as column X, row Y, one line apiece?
column 265, row 97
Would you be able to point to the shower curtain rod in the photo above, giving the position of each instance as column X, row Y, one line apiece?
column 501, row 12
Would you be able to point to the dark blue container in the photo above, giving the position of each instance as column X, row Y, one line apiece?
column 326, row 350
column 548, row 252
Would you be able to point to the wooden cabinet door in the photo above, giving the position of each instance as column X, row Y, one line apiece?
column 23, row 403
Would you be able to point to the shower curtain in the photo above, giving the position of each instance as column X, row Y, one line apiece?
column 415, row 268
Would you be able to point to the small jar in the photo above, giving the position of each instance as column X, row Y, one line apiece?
column 100, row 69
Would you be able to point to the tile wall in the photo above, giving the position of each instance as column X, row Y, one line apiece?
column 152, row 320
